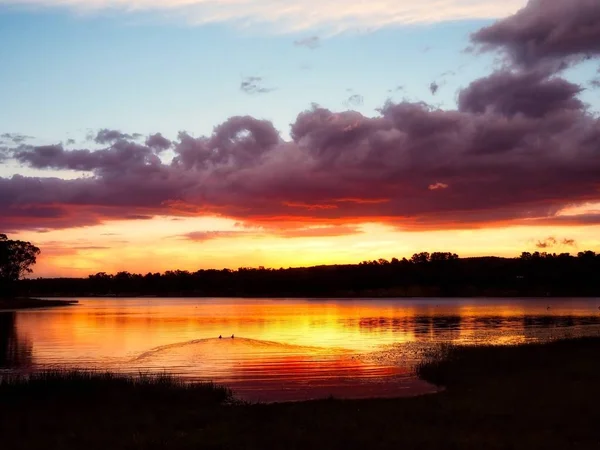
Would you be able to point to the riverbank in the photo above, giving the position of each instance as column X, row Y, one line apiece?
column 518, row 397
column 28, row 303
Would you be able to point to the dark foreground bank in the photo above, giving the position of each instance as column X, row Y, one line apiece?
column 525, row 397
column 28, row 303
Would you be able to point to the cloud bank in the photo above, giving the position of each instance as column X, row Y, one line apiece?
column 519, row 148
column 300, row 15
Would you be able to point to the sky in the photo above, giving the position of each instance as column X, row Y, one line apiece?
column 151, row 135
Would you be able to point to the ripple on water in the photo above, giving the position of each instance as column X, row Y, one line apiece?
column 270, row 371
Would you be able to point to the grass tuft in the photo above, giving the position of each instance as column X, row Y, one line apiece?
column 86, row 385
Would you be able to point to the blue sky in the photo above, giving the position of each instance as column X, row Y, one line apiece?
column 65, row 74
column 147, row 66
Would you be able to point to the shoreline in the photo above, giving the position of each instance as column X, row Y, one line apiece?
column 15, row 304
column 366, row 296
column 540, row 395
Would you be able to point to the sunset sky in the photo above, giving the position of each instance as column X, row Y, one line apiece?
column 148, row 135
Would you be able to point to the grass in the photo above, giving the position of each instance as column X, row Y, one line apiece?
column 535, row 396
column 89, row 386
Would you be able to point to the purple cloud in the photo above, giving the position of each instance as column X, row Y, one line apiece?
column 158, row 142
column 120, row 157
column 531, row 93
column 546, row 31
column 502, row 163
column 520, row 147
column 106, row 136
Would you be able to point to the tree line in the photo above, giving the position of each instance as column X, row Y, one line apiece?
column 424, row 274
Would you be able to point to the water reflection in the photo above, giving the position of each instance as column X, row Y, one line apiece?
column 15, row 349
column 281, row 345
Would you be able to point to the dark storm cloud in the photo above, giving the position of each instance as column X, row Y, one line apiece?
column 519, row 148
column 546, row 30
column 311, row 42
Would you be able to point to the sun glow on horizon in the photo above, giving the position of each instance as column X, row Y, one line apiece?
column 167, row 243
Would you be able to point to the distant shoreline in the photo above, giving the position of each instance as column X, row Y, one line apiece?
column 30, row 303
column 365, row 295
column 424, row 275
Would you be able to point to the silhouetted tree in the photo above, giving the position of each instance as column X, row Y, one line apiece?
column 16, row 259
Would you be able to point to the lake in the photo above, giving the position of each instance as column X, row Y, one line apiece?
column 283, row 349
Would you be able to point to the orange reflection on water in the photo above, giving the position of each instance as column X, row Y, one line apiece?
column 294, row 347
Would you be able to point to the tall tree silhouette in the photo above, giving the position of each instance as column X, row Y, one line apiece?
column 16, row 259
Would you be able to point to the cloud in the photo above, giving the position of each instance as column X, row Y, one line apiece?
column 397, row 88
column 354, row 100
column 5, row 152
column 253, row 85
column 158, row 142
column 120, row 157
column 532, row 93
column 327, row 231
column 436, row 186
column 546, row 31
column 15, row 138
column 434, row 87
column 546, row 243
column 202, row 236
column 519, row 148
column 106, row 136
column 448, row 73
column 551, row 242
column 503, row 163
column 333, row 16
column 288, row 233
column 311, row 42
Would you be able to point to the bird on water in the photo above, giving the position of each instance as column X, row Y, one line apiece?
column 232, row 336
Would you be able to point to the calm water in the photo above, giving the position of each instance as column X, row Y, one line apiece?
column 284, row 349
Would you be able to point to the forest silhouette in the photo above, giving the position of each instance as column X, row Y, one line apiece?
column 424, row 274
